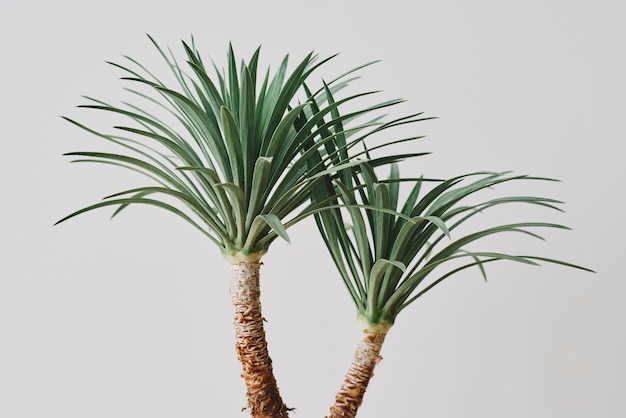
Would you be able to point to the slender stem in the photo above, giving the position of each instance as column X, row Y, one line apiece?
column 264, row 399
column 350, row 395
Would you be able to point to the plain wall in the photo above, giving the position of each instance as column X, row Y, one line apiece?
column 131, row 318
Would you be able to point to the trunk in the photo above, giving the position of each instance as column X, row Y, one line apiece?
column 264, row 401
column 366, row 357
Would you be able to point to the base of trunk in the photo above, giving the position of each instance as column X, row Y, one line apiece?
column 264, row 400
column 350, row 395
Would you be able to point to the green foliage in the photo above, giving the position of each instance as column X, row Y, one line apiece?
column 237, row 153
column 389, row 258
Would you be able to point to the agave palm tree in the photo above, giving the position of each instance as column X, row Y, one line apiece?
column 392, row 255
column 235, row 155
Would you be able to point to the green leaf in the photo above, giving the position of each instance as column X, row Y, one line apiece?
column 136, row 200
column 274, row 222
column 218, row 196
column 250, row 143
column 233, row 145
column 277, row 140
column 238, row 202
column 259, row 187
column 554, row 261
column 380, row 267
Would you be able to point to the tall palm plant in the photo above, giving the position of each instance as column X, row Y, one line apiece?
column 235, row 155
column 393, row 254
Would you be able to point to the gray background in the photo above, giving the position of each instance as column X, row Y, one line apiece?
column 131, row 318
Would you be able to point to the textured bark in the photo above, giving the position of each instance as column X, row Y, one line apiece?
column 264, row 400
column 366, row 357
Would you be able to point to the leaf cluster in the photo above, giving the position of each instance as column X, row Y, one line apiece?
column 390, row 253
column 235, row 153
column 243, row 154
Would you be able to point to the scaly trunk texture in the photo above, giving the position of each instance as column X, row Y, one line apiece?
column 366, row 357
column 264, row 400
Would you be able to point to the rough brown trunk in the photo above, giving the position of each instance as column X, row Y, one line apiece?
column 366, row 357
column 264, row 400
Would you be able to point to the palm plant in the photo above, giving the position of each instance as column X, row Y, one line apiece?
column 392, row 255
column 235, row 155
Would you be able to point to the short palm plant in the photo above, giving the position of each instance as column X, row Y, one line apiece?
column 393, row 254
column 235, row 155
